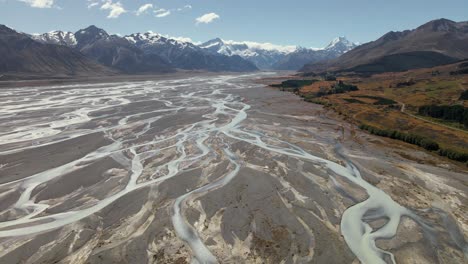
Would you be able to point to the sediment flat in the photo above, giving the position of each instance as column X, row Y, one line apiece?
column 213, row 169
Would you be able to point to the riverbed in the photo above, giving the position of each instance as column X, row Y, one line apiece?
column 214, row 169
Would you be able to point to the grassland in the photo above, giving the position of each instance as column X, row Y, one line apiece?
column 390, row 101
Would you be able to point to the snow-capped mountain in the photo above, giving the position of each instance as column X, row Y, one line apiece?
column 143, row 52
column 214, row 55
column 151, row 42
column 117, row 52
column 340, row 45
column 22, row 56
column 56, row 37
column 297, row 59
column 263, row 55
column 270, row 56
column 186, row 55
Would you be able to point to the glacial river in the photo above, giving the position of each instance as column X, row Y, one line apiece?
column 68, row 153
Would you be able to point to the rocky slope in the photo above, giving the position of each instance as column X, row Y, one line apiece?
column 117, row 52
column 186, row 55
column 21, row 55
column 144, row 52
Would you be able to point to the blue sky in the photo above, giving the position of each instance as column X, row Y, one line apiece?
column 309, row 23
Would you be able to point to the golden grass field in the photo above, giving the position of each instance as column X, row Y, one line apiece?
column 424, row 88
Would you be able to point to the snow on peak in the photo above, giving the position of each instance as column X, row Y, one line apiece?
column 153, row 37
column 251, row 48
column 251, row 45
column 340, row 43
column 56, row 37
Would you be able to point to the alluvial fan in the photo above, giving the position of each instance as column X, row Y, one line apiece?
column 212, row 169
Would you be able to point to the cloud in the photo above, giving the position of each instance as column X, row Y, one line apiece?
column 162, row 12
column 115, row 9
column 39, row 3
column 184, row 8
column 263, row 46
column 143, row 9
column 182, row 39
column 92, row 3
column 206, row 18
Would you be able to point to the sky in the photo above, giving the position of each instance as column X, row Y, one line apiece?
column 307, row 23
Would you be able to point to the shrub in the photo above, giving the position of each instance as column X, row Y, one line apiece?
column 380, row 100
column 454, row 155
column 456, row 113
column 464, row 95
column 423, row 142
column 418, row 140
column 330, row 77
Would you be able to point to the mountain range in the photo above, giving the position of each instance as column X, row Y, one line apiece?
column 186, row 55
column 21, row 54
column 152, row 52
column 437, row 42
column 92, row 51
column 142, row 52
column 273, row 57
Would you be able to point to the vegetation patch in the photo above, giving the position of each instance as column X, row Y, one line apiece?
column 293, row 85
column 353, row 101
column 418, row 140
column 463, row 65
column 379, row 100
column 308, row 97
column 456, row 113
column 405, row 84
column 338, row 88
column 462, row 69
column 464, row 95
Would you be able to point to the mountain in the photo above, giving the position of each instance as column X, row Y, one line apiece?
column 56, row 37
column 186, row 55
column 263, row 55
column 118, row 52
column 340, row 46
column 22, row 55
column 269, row 56
column 302, row 56
column 435, row 43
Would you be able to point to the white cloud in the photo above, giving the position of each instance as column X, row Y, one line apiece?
column 162, row 12
column 39, row 3
column 143, row 9
column 182, row 39
column 184, row 8
column 207, row 18
column 263, row 46
column 92, row 3
column 115, row 9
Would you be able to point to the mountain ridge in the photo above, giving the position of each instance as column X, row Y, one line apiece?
column 23, row 56
column 274, row 57
column 441, row 37
column 169, row 53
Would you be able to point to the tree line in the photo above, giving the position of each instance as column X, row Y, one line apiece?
column 455, row 113
column 338, row 88
column 418, row 140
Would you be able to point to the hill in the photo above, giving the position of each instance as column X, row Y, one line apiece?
column 435, row 43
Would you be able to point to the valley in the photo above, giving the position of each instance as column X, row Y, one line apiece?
column 207, row 132
column 209, row 169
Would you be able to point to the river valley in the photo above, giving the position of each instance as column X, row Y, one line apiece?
column 214, row 169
